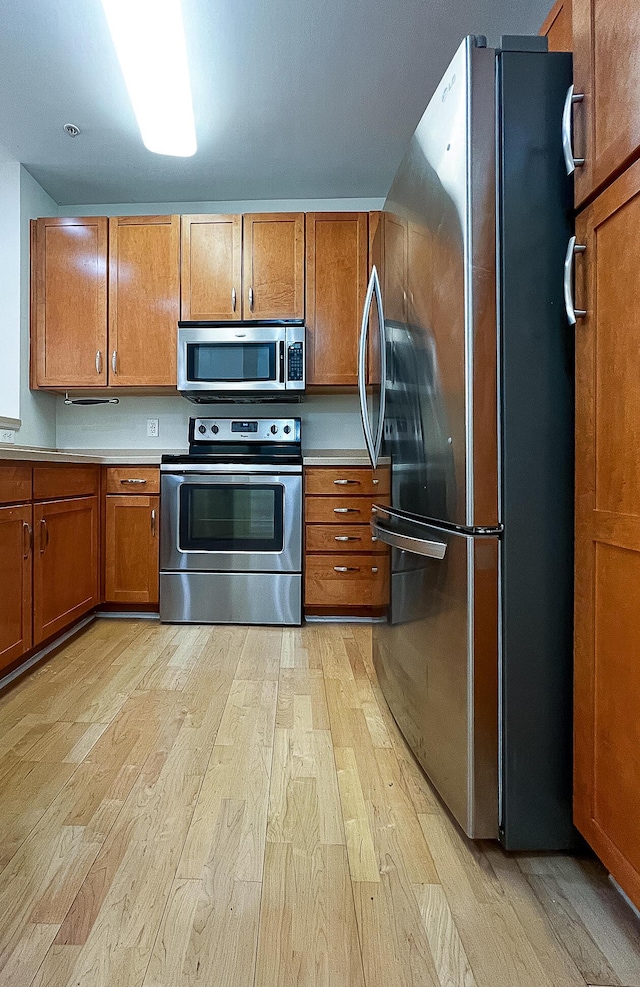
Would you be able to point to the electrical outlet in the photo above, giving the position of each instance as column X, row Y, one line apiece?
column 7, row 435
column 153, row 428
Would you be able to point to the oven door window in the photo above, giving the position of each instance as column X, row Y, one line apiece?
column 221, row 362
column 239, row 517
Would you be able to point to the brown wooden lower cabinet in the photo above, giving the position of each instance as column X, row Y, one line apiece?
column 346, row 569
column 131, row 549
column 607, row 608
column 65, row 563
column 15, row 582
column 347, row 581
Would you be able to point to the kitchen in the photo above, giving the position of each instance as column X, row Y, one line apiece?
column 296, row 686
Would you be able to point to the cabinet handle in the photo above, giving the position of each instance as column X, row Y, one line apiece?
column 346, row 510
column 375, row 482
column 567, row 147
column 251, row 299
column 114, row 362
column 573, row 248
column 153, row 523
column 343, row 483
column 28, row 540
column 233, row 299
column 132, row 480
column 374, row 568
column 347, row 538
column 44, row 535
column 98, row 362
column 346, row 568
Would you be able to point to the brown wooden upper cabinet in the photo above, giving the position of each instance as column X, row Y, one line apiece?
column 394, row 281
column 606, row 71
column 144, row 300
column 273, row 266
column 211, row 274
column 607, row 601
column 336, row 285
column 557, row 27
column 69, row 302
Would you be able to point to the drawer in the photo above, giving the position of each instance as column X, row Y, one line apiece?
column 340, row 510
column 55, row 482
column 133, row 480
column 341, row 538
column 346, row 480
column 15, row 484
column 363, row 581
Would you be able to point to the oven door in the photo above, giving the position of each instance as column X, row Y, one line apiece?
column 217, row 522
column 239, row 359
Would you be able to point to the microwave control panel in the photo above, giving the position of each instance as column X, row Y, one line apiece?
column 295, row 357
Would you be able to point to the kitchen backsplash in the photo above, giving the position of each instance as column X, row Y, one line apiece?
column 329, row 421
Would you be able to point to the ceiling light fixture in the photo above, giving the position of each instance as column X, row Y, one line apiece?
column 149, row 40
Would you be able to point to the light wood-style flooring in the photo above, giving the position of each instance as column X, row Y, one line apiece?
column 235, row 807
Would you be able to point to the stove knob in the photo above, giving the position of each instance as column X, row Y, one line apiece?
column 287, row 429
column 273, row 429
column 215, row 429
column 202, row 429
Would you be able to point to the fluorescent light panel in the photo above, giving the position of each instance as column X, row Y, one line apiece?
column 149, row 39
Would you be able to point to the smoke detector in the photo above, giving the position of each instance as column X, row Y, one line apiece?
column 71, row 129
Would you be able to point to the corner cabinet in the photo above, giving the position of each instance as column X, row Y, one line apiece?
column 144, row 300
column 69, row 302
column 336, row 285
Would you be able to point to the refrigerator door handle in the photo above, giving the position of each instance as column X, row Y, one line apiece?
column 362, row 369
column 383, row 364
column 573, row 313
column 417, row 546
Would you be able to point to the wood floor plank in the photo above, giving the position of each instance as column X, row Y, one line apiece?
column 451, row 962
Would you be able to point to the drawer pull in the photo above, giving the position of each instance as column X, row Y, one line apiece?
column 374, row 568
column 343, row 483
column 375, row 482
column 346, row 568
column 347, row 538
column 133, row 480
column 346, row 510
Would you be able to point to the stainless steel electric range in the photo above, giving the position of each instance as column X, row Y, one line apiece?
column 231, row 524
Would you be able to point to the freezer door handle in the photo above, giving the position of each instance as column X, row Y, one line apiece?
column 418, row 546
column 362, row 370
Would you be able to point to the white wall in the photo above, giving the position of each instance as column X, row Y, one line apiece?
column 10, row 290
column 328, row 421
column 37, row 410
column 249, row 205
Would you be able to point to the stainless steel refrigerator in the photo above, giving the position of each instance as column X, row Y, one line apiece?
column 466, row 384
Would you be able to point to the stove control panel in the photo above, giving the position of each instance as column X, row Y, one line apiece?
column 208, row 430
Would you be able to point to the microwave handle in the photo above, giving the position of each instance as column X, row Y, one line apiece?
column 282, row 361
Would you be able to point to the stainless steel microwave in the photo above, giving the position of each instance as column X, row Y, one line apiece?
column 241, row 361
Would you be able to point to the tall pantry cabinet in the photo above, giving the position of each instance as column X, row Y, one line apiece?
column 606, row 288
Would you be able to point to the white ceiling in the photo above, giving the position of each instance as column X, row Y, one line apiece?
column 292, row 98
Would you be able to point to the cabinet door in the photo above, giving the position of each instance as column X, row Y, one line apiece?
column 557, row 27
column 132, row 561
column 273, row 266
column 606, row 69
column 65, row 563
column 69, row 302
column 15, row 582
column 144, row 300
column 607, row 603
column 211, row 273
column 394, row 284
column 336, row 285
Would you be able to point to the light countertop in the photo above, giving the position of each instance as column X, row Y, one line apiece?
column 149, row 457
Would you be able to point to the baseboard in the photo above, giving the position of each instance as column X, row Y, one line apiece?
column 45, row 652
column 127, row 614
